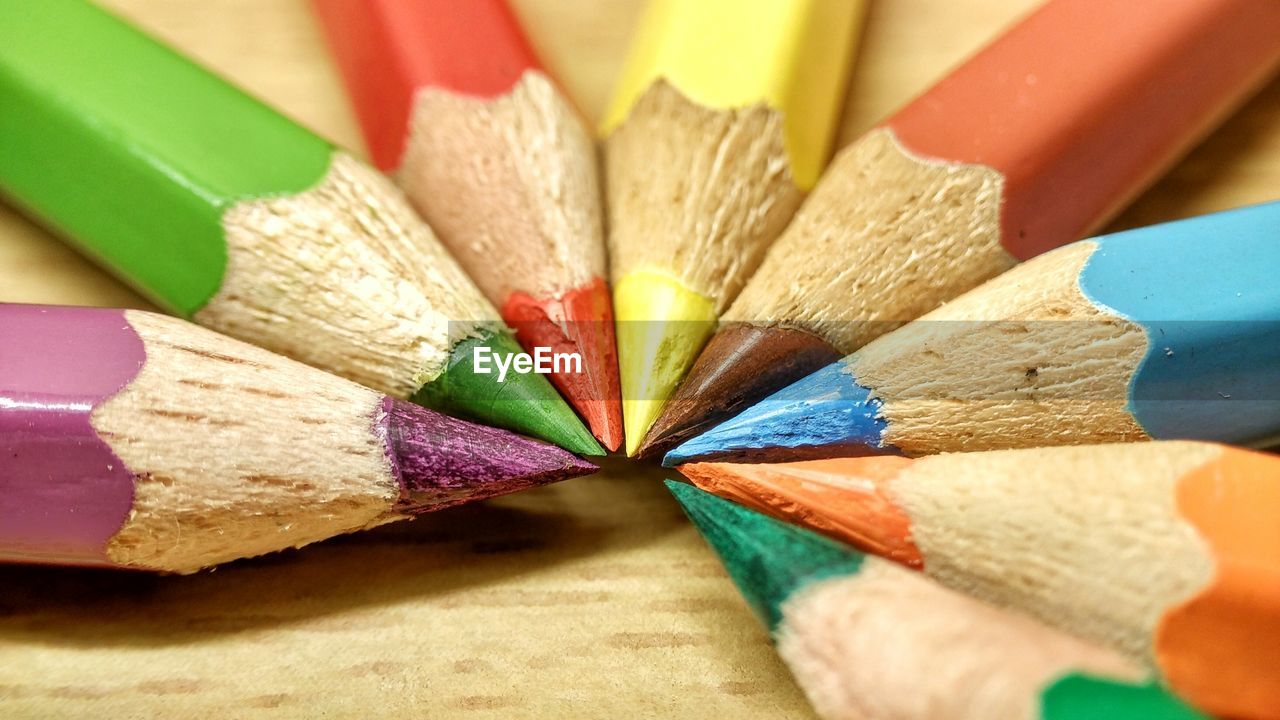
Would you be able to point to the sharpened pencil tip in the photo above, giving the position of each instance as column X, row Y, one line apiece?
column 767, row 559
column 662, row 325
column 578, row 321
column 525, row 403
column 825, row 414
column 740, row 366
column 441, row 461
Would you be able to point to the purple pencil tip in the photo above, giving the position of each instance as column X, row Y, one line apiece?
column 442, row 461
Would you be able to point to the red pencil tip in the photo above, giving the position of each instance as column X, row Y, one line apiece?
column 580, row 321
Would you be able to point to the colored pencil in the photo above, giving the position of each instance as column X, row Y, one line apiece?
column 722, row 119
column 1033, row 143
column 135, row 440
column 1165, row 332
column 456, row 106
column 224, row 211
column 867, row 639
column 1167, row 551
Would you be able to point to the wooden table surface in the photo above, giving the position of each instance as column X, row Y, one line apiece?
column 593, row 598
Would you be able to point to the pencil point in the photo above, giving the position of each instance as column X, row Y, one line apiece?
column 578, row 321
column 525, row 403
column 767, row 559
column 741, row 365
column 849, row 500
column 441, row 461
column 662, row 325
column 827, row 413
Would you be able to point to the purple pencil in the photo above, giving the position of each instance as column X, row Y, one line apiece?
column 135, row 440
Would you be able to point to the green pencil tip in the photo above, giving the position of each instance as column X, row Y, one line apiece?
column 1083, row 697
column 523, row 402
column 767, row 559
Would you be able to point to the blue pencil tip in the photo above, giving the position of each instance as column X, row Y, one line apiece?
column 826, row 410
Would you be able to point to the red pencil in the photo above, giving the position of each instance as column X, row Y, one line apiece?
column 455, row 104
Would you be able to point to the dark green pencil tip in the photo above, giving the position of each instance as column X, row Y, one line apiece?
column 525, row 403
column 767, row 559
column 1083, row 697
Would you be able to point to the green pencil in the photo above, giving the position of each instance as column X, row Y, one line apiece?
column 224, row 211
column 866, row 638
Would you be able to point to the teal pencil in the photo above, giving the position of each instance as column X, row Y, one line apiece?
column 868, row 639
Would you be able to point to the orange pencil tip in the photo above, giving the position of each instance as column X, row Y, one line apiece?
column 848, row 499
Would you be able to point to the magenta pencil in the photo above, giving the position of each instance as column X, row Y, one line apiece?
column 135, row 440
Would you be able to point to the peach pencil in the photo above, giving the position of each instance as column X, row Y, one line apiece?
column 1167, row 552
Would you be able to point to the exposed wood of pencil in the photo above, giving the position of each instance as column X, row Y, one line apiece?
column 1011, row 528
column 696, row 192
column 509, row 183
column 310, row 469
column 1060, row 373
column 930, row 216
column 399, row 304
column 1015, row 152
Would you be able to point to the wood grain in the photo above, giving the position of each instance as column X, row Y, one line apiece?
column 593, row 598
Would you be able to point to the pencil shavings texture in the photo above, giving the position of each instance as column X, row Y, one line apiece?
column 346, row 277
column 510, row 184
column 885, row 237
column 1061, row 376
column 696, row 192
column 176, row 523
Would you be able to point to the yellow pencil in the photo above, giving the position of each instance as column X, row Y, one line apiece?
column 723, row 118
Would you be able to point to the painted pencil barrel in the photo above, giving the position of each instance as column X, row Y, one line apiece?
column 134, row 440
column 722, row 119
column 1037, row 139
column 1165, row 332
column 1164, row 551
column 454, row 103
column 387, row 50
column 98, row 156
column 938, row 655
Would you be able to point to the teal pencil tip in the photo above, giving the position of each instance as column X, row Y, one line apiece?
column 767, row 559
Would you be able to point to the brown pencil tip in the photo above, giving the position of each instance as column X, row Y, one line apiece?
column 579, row 321
column 741, row 365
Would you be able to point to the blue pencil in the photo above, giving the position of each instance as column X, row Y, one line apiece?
column 1165, row 332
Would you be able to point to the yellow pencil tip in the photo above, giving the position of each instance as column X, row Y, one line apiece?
column 662, row 326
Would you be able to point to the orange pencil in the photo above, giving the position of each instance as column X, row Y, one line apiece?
column 1166, row 551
